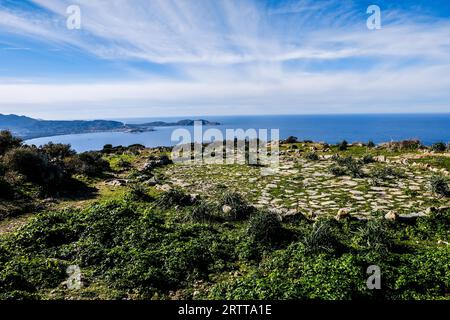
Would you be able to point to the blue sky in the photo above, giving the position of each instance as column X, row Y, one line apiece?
column 150, row 58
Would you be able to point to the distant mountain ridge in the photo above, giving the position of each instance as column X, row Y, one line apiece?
column 29, row 128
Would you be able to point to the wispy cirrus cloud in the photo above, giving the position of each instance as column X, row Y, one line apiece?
column 297, row 55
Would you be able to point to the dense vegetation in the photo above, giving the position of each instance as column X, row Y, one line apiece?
column 29, row 173
column 146, row 243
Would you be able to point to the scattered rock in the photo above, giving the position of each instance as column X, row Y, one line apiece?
column 391, row 215
column 117, row 182
column 151, row 182
column 343, row 213
column 226, row 209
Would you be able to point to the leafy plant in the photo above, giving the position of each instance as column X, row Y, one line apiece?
column 368, row 158
column 337, row 170
column 343, row 145
column 235, row 206
column 313, row 156
column 265, row 227
column 438, row 147
column 321, row 238
column 439, row 185
column 203, row 212
column 138, row 192
column 374, row 235
column 8, row 142
column 174, row 197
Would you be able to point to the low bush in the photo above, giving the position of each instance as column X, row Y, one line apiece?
column 291, row 139
column 380, row 174
column 439, row 185
column 313, row 156
column 8, row 142
column 174, row 197
column 343, row 145
column 90, row 164
column 375, row 236
column 6, row 190
column 337, row 170
column 368, row 158
column 438, row 147
column 35, row 166
column 235, row 207
column 57, row 150
column 321, row 238
column 138, row 192
column 265, row 227
column 203, row 212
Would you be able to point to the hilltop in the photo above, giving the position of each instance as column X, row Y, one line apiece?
column 137, row 226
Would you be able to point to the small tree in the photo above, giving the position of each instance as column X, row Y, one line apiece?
column 343, row 145
column 35, row 166
column 291, row 139
column 337, row 170
column 438, row 147
column 313, row 156
column 8, row 141
column 57, row 150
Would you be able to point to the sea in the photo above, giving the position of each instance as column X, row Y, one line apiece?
column 428, row 128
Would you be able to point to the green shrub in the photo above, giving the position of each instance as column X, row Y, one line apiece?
column 375, row 235
column 355, row 169
column 313, row 156
column 343, row 145
column 6, row 190
column 57, row 150
column 370, row 144
column 380, row 174
column 90, row 164
column 35, row 166
column 265, row 227
column 351, row 166
column 123, row 164
column 291, row 139
column 438, row 147
column 138, row 192
column 290, row 274
column 368, row 158
column 321, row 238
column 436, row 226
column 203, row 212
column 8, row 142
column 337, row 170
column 239, row 208
column 423, row 275
column 439, row 185
column 174, row 197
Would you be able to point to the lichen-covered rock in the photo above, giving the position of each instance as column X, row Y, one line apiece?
column 391, row 215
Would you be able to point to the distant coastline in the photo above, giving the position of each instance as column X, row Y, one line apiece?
column 379, row 128
column 28, row 128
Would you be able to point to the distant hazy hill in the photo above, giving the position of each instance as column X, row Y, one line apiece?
column 179, row 123
column 29, row 128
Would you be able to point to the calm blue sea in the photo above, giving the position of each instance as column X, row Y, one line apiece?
column 429, row 128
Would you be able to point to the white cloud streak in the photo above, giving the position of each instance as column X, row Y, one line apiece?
column 239, row 53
